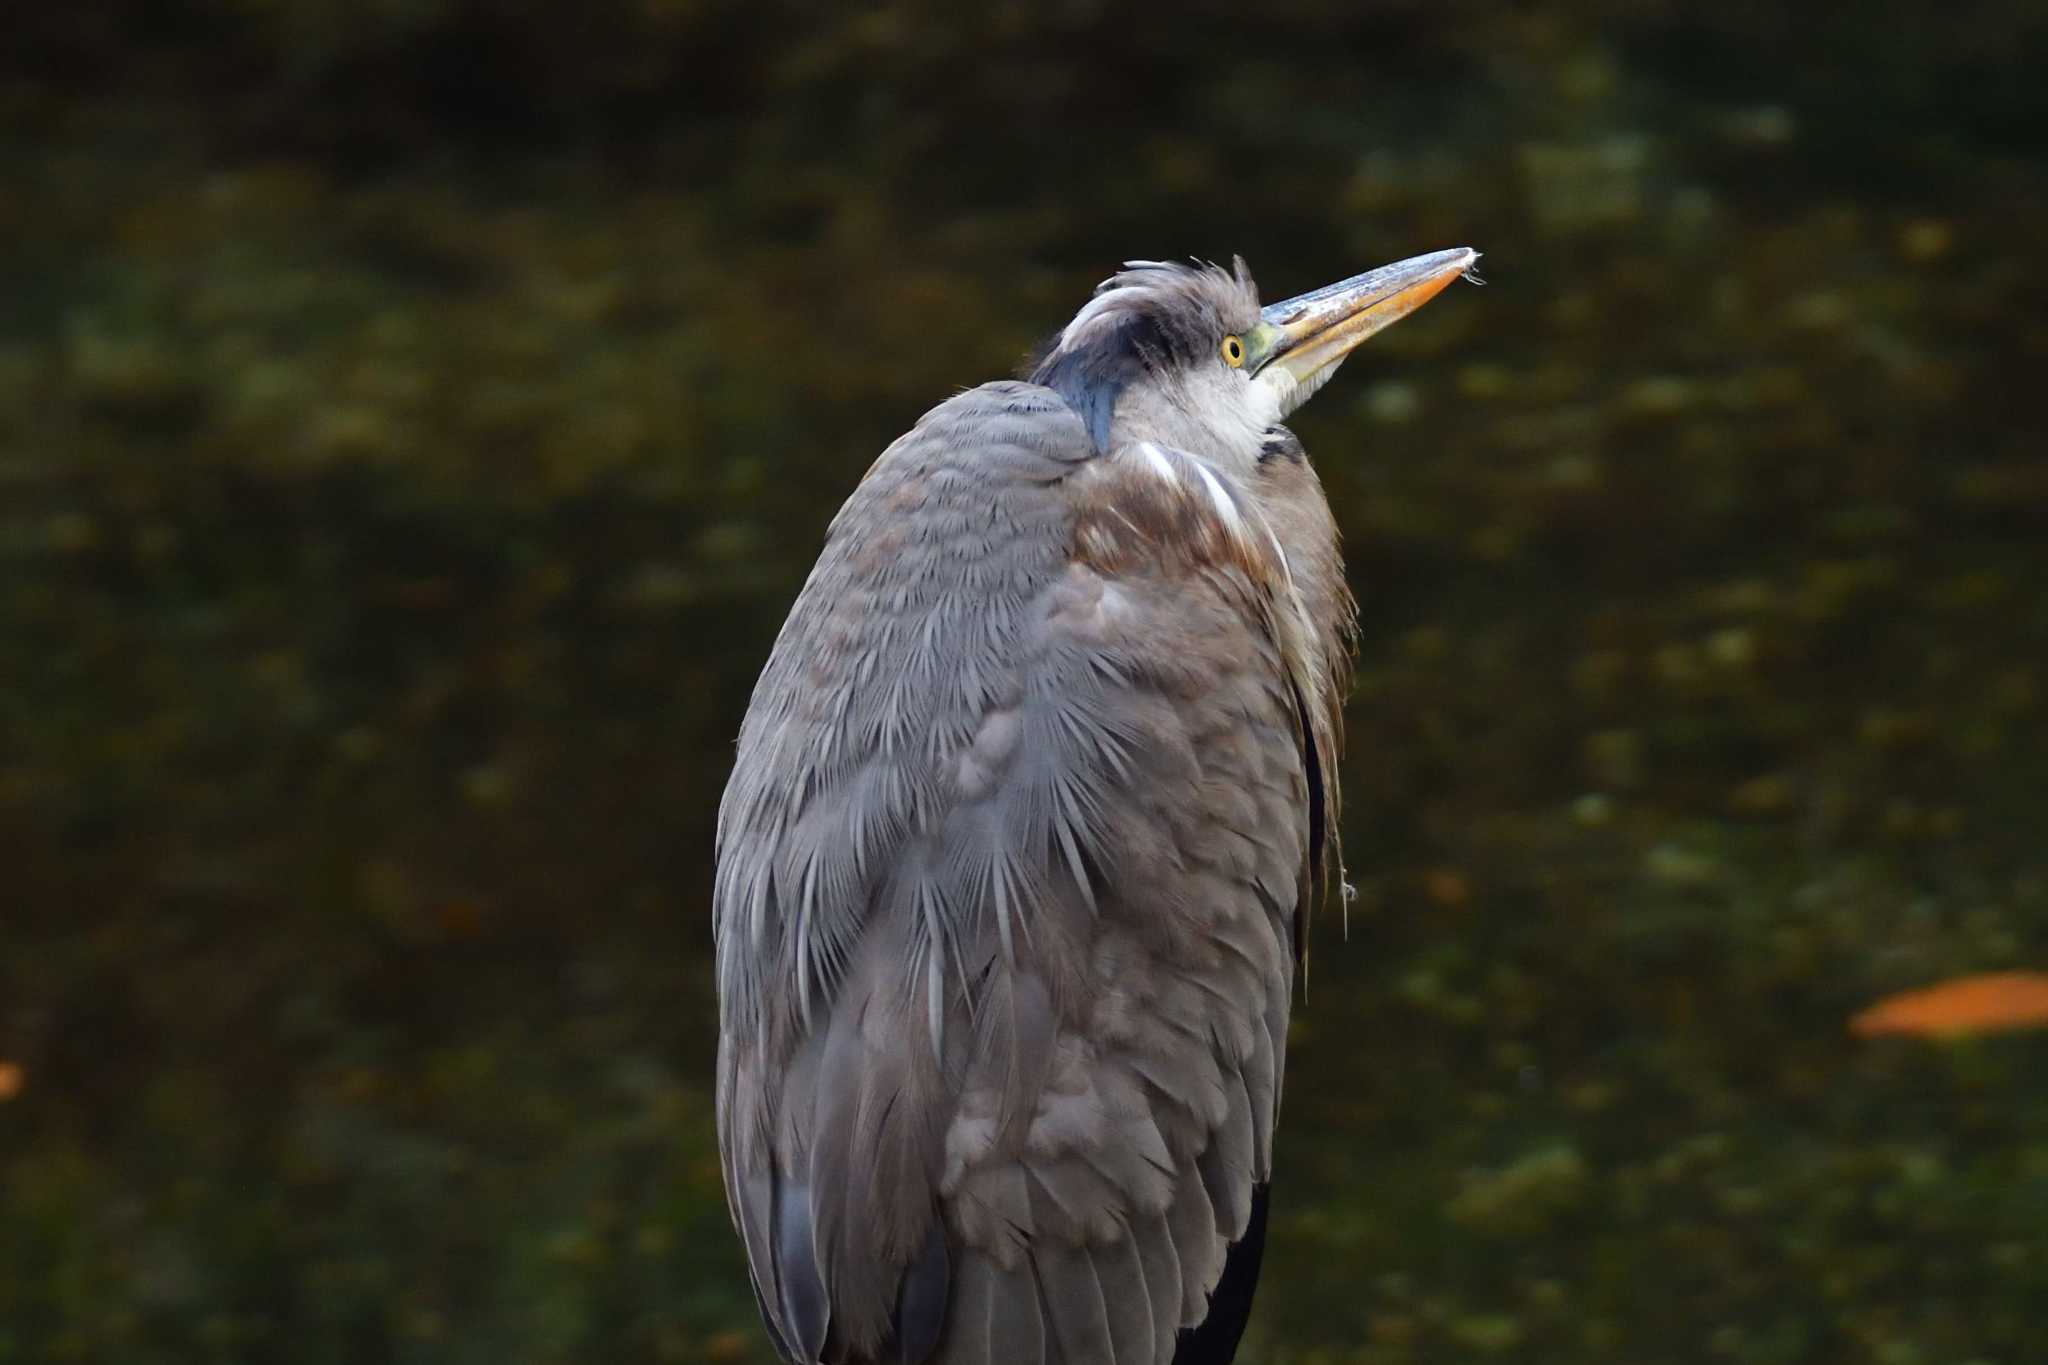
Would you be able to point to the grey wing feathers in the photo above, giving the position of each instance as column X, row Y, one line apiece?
column 1007, row 874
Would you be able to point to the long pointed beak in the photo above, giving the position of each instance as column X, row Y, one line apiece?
column 1299, row 342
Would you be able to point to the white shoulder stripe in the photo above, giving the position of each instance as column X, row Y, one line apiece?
column 1226, row 508
column 1161, row 466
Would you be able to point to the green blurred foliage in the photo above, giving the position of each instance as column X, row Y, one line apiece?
column 416, row 416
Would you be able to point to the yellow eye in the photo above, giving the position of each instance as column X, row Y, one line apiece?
column 1233, row 352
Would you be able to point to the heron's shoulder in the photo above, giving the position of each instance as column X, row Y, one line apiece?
column 1006, row 428
column 1011, row 398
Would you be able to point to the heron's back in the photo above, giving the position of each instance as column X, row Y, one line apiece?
column 1008, row 871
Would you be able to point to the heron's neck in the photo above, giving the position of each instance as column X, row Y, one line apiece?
column 1206, row 420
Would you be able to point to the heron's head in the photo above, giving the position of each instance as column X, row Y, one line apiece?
column 1183, row 355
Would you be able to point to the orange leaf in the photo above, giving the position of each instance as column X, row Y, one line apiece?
column 461, row 918
column 1447, row 887
column 1993, row 1002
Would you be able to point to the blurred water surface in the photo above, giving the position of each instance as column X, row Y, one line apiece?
column 415, row 419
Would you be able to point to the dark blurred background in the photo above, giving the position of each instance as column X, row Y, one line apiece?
column 416, row 416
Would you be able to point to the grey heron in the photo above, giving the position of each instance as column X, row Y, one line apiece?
column 1029, row 809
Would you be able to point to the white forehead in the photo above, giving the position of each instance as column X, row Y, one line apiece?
column 1138, row 286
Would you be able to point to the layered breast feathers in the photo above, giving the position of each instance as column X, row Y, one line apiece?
column 1008, row 872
